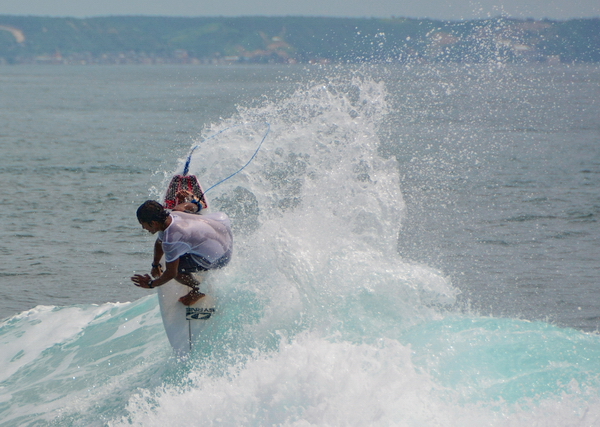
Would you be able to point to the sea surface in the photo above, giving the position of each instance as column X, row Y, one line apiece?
column 415, row 245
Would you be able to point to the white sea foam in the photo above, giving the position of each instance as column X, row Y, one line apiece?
column 343, row 331
column 316, row 382
column 319, row 320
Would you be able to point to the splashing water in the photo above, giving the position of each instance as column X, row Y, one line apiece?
column 320, row 321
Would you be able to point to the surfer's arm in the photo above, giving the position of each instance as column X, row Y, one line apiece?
column 193, row 207
column 158, row 254
column 145, row 281
column 170, row 273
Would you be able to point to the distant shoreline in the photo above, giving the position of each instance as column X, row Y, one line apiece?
column 264, row 40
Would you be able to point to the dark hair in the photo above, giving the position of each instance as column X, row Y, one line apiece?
column 150, row 211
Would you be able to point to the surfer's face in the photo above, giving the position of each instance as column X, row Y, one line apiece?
column 151, row 227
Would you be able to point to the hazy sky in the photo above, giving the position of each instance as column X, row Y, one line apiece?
column 438, row 9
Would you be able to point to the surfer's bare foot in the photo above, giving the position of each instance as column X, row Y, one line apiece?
column 192, row 297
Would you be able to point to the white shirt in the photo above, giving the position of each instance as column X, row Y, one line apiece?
column 206, row 237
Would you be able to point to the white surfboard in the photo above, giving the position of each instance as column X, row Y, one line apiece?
column 184, row 324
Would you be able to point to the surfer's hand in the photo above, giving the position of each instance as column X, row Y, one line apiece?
column 142, row 281
column 156, row 271
column 183, row 195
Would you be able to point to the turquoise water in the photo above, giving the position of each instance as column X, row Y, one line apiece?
column 414, row 246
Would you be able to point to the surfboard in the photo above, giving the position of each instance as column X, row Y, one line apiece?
column 184, row 324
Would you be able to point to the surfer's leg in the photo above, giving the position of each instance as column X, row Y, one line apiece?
column 187, row 266
column 194, row 295
column 188, row 279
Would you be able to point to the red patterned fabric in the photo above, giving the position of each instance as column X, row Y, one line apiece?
column 183, row 182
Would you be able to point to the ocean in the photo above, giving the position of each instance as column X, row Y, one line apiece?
column 415, row 245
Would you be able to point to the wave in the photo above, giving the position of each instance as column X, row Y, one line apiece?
column 319, row 320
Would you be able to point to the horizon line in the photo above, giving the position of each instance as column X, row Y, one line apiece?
column 391, row 17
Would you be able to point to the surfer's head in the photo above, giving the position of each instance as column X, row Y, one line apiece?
column 151, row 211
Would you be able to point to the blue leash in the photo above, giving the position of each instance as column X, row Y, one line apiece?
column 189, row 159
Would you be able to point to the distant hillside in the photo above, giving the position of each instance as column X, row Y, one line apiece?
column 294, row 39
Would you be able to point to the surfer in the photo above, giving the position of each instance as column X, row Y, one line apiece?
column 190, row 243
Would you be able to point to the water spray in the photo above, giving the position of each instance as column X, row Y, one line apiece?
column 189, row 158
